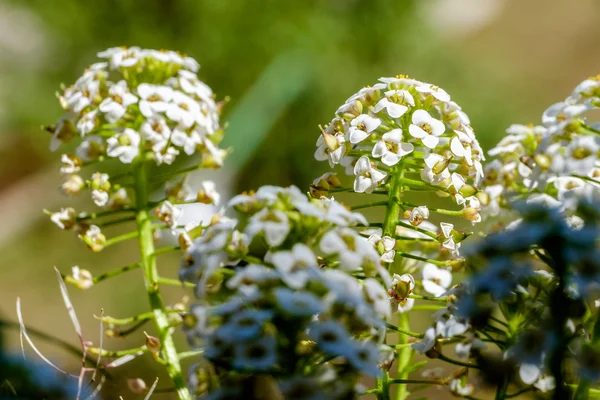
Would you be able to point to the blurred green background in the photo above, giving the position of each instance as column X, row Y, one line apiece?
column 287, row 65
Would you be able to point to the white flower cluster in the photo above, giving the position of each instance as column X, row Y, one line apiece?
column 555, row 163
column 289, row 285
column 508, row 271
column 405, row 122
column 140, row 101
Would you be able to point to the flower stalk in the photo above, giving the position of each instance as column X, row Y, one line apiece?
column 151, row 279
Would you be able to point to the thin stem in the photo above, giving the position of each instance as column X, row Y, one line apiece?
column 121, row 238
column 130, row 320
column 115, row 222
column 428, row 260
column 148, row 262
column 169, row 175
column 164, row 250
column 421, row 381
column 115, row 354
column 188, row 354
column 175, row 282
column 430, row 298
column 456, row 362
column 115, row 272
column 374, row 204
column 520, row 392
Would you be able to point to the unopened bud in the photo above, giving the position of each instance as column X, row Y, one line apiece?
column 330, row 141
column 440, row 166
column 82, row 278
column 470, row 214
column 136, row 385
column 483, row 198
column 152, row 343
column 467, row 190
column 457, row 264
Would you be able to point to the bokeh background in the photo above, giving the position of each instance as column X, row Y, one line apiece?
column 286, row 65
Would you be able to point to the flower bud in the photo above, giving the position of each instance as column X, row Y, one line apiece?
column 93, row 238
column 468, row 190
column 440, row 166
column 543, row 161
column 470, row 214
column 82, row 278
column 71, row 164
column 100, row 182
column 153, row 344
column 483, row 198
column 330, row 141
column 65, row 219
column 136, row 385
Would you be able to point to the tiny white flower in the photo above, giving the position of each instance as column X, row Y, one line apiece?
column 168, row 213
column 156, row 131
column 436, row 280
column 154, row 99
column 73, row 185
column 364, row 357
column 183, row 110
column 385, row 246
column 115, row 105
column 122, row 56
column 545, row 384
column 208, row 194
column 273, row 223
column 88, row 122
column 90, row 148
column 257, row 355
column 437, row 92
column 406, row 305
column 379, row 298
column 367, row 176
column 417, row 215
column 100, row 197
column 456, row 386
column 245, row 325
column 298, row 304
column 124, row 145
column 394, row 103
column 330, row 336
column 427, row 342
column 390, row 148
column 295, row 265
column 82, row 277
column 426, row 128
column 361, row 127
column 248, row 279
column 529, row 373
column 166, row 156
column 449, row 242
column 188, row 140
column 65, row 218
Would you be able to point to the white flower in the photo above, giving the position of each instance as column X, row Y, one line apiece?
column 417, row 215
column 188, row 140
column 65, row 218
column 73, row 185
column 427, row 342
column 258, row 355
column 183, row 110
column 70, row 164
column 245, row 325
column 82, row 277
column 367, row 176
column 426, row 128
column 529, row 373
column 248, row 279
column 406, row 305
column 100, row 197
column 331, row 145
column 124, row 145
column 351, row 248
column 437, row 92
column 298, row 304
column 166, row 156
column 390, row 148
column 361, row 127
column 156, row 131
column 449, row 242
column 385, row 246
column 394, row 103
column 273, row 223
column 115, row 105
column 154, row 99
column 379, row 298
column 457, row 387
column 545, row 384
column 295, row 266
column 436, row 280
column 208, row 194
column 90, row 148
column 330, row 336
column 93, row 238
column 364, row 357
column 88, row 122
column 168, row 213
column 122, row 56
column 431, row 161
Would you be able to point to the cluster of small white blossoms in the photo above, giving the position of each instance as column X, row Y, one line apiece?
column 407, row 123
column 555, row 163
column 508, row 271
column 290, row 290
column 138, row 104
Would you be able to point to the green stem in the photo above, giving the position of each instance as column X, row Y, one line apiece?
column 424, row 259
column 374, row 204
column 175, row 282
column 148, row 262
column 422, row 381
column 404, row 358
column 115, row 272
column 121, row 238
column 115, row 354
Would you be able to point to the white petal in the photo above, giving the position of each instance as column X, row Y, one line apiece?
column 362, row 184
column 393, row 136
column 390, row 159
column 379, row 149
column 430, row 141
column 357, row 136
column 529, row 373
column 362, row 166
column 421, row 117
column 456, row 147
column 417, row 132
column 437, row 127
column 405, row 148
column 396, row 110
column 433, row 288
